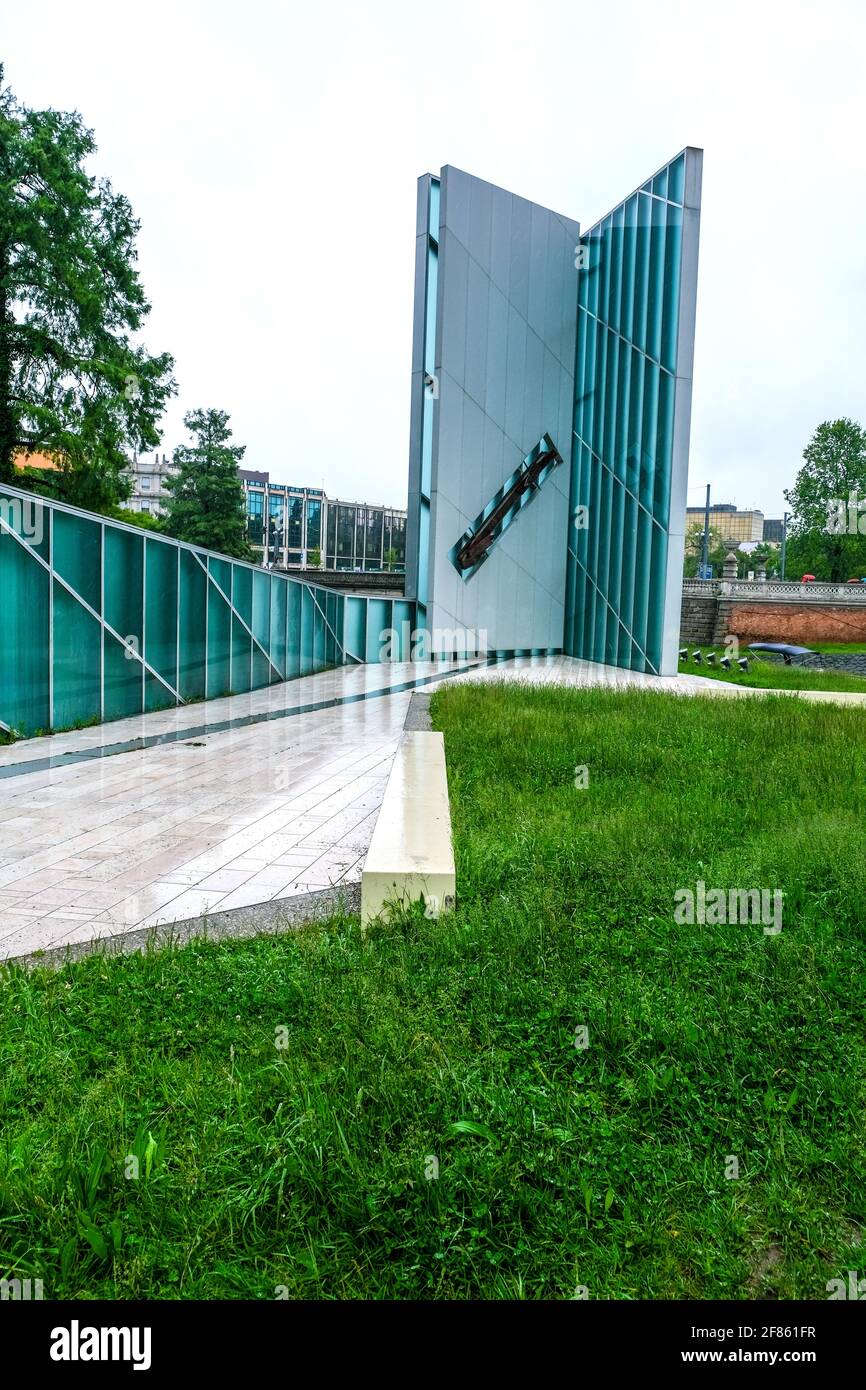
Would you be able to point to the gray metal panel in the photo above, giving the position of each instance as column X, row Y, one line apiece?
column 501, row 385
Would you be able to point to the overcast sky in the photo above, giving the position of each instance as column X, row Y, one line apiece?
column 271, row 153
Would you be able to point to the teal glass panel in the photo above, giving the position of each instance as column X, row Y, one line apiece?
column 123, row 679
column 293, row 651
column 160, row 621
column 629, row 548
column 655, row 300
column 671, row 310
column 379, row 629
column 261, row 619
column 193, row 627
column 77, row 661
column 676, row 179
column 24, row 633
column 597, row 439
column 624, row 416
column 608, row 443
column 77, row 555
column 649, row 433
column 433, row 209
column 621, row 417
column 430, row 321
column 606, row 262
column 664, row 449
column 355, row 628
column 124, row 584
column 604, row 532
column 306, row 635
column 402, row 618
column 628, row 262
column 635, row 421
column 219, row 630
column 616, row 269
column 642, row 579
column 331, row 606
column 641, row 270
column 320, row 650
column 221, row 571
column 242, row 657
column 655, row 614
column 262, row 669
column 242, row 592
column 584, row 499
column 278, row 620
column 617, row 516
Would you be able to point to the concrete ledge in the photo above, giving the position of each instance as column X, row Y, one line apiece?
column 411, row 855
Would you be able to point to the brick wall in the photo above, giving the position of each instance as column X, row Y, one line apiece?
column 708, row 619
column 786, row 622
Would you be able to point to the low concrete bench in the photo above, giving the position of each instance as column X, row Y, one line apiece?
column 410, row 855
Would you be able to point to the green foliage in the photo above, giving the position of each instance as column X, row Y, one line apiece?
column 308, row 1166
column 73, row 384
column 764, row 673
column 314, row 557
column 145, row 520
column 834, row 467
column 718, row 552
column 205, row 504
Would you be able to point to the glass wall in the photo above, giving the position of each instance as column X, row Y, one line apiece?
column 99, row 620
column 623, row 445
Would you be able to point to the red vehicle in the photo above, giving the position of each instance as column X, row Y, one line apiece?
column 808, row 579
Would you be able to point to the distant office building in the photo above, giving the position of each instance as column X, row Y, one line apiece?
column 148, row 473
column 287, row 525
column 735, row 526
column 773, row 530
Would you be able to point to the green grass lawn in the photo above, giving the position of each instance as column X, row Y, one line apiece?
column 775, row 675
column 852, row 648
column 312, row 1166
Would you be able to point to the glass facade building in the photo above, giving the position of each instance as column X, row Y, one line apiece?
column 347, row 535
column 100, row 620
column 528, row 329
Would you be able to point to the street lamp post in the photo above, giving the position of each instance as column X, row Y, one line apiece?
column 784, row 543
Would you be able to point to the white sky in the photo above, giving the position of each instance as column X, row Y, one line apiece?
column 271, row 152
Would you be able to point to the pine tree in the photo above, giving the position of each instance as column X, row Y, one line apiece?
column 206, row 504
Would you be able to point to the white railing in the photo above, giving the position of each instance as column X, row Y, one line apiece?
column 813, row 592
column 783, row 590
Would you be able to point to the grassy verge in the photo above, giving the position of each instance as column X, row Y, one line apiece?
column 851, row 648
column 775, row 675
column 430, row 1128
